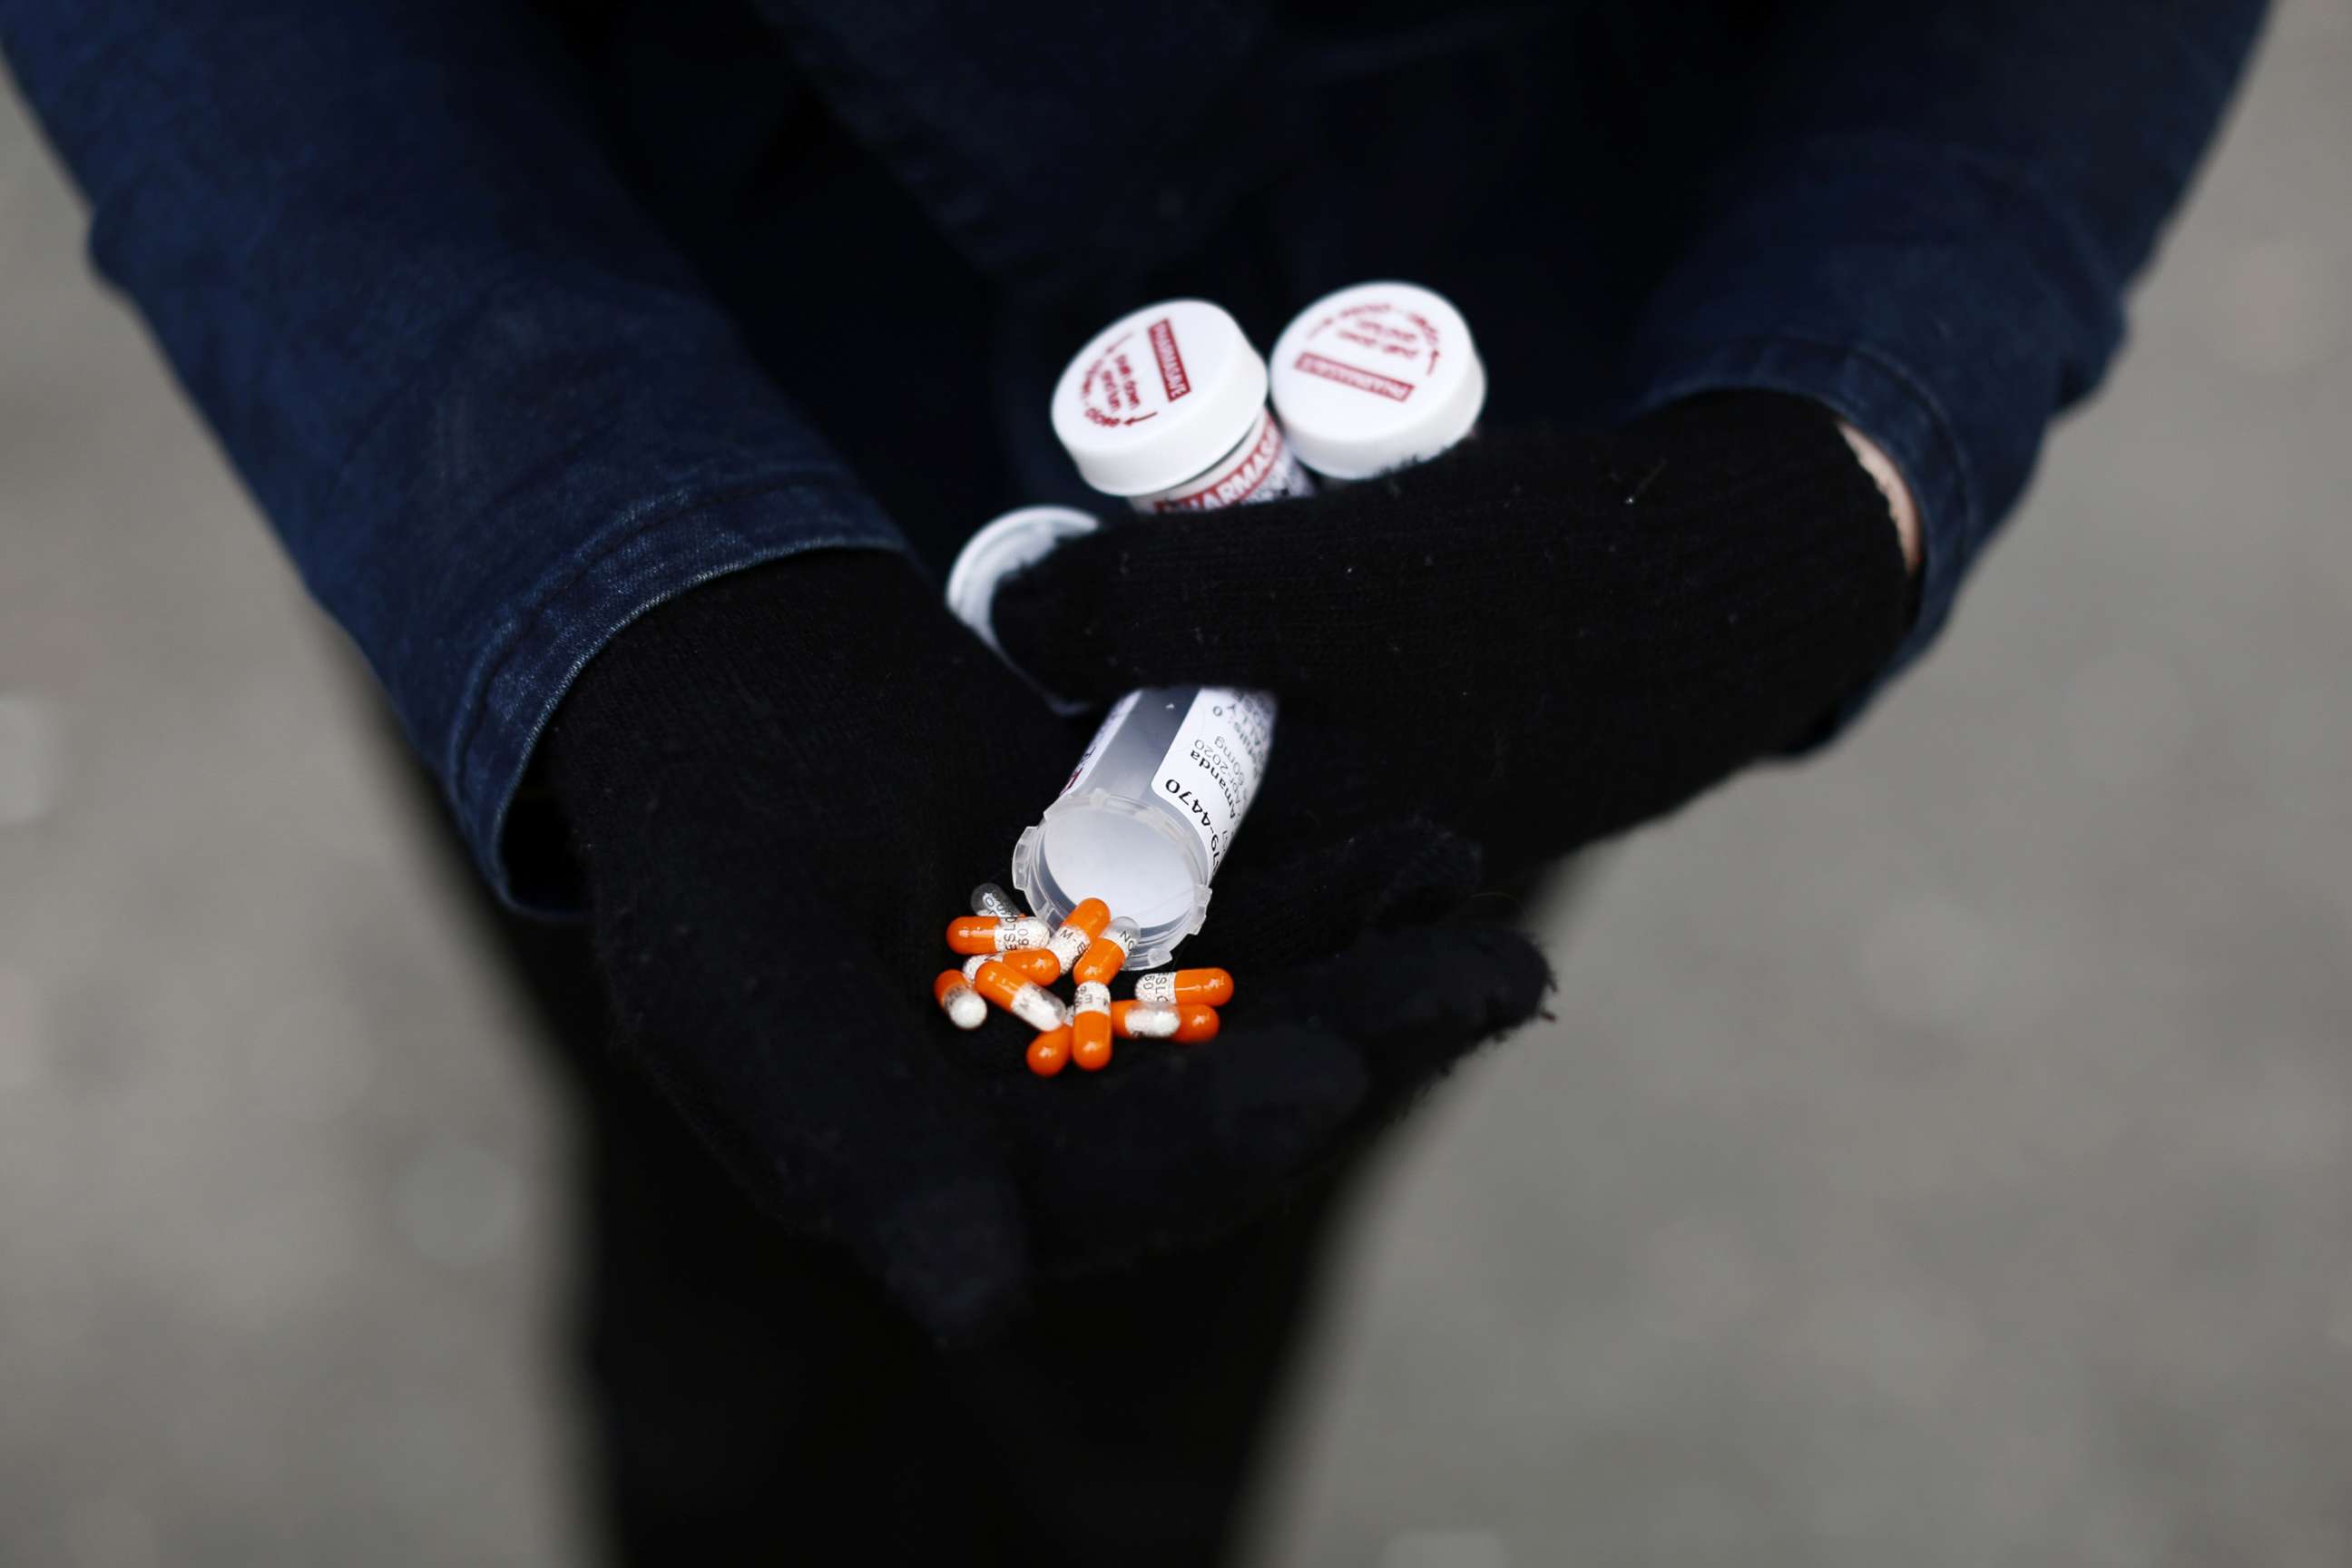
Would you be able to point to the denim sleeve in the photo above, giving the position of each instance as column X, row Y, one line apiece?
column 1930, row 227
column 493, row 417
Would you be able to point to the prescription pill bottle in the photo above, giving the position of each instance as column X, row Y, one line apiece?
column 1375, row 377
column 1166, row 409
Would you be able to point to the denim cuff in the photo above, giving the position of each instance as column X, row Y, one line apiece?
column 658, row 550
column 1942, row 297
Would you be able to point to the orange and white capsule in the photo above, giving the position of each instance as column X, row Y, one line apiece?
column 988, row 933
column 1142, row 1021
column 1173, row 988
column 1024, row 999
column 1035, row 962
column 1030, row 964
column 1078, row 932
column 1108, row 955
column 958, row 1000
column 988, row 898
column 1049, row 1053
column 1196, row 1022
column 1090, row 1026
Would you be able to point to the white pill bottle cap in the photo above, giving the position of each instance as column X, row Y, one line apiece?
column 1158, row 396
column 1375, row 377
column 1022, row 537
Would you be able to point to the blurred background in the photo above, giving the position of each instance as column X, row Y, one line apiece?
column 1941, row 1154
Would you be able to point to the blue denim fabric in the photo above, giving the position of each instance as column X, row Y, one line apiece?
column 518, row 324
column 493, row 416
column 1933, row 231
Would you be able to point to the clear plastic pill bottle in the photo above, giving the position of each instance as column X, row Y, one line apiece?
column 1375, row 377
column 1166, row 409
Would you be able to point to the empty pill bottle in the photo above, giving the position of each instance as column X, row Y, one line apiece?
column 1375, row 377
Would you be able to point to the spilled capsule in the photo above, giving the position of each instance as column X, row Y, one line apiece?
column 1108, row 955
column 1024, row 999
column 1142, row 1021
column 1187, row 1024
column 1077, row 932
column 988, row 898
column 988, row 933
column 1090, row 1026
column 958, row 1000
column 1035, row 962
column 1030, row 964
column 1049, row 1053
column 1197, row 1021
column 1214, row 986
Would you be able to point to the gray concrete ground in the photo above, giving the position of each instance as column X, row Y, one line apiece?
column 1943, row 1154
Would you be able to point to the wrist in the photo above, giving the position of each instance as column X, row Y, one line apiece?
column 1889, row 480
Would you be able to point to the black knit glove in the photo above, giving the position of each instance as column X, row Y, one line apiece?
column 1540, row 639
column 779, row 788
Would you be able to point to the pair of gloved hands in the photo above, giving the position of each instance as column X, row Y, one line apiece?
column 781, row 784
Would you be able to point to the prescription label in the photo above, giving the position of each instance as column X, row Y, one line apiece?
column 1261, row 469
column 1210, row 772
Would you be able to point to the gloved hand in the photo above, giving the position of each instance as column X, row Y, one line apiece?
column 781, row 786
column 1538, row 640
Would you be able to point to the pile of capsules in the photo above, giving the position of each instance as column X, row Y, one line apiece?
column 1010, row 959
